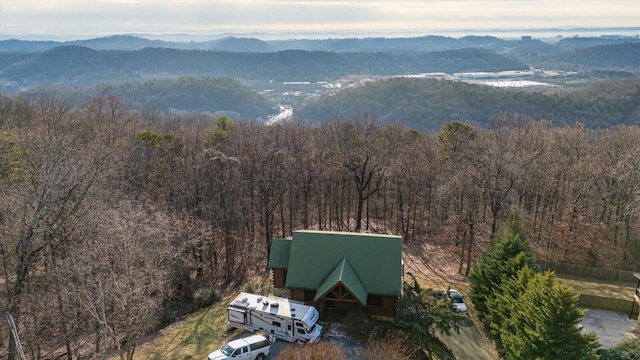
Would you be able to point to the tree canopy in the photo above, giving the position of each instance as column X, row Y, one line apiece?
column 507, row 254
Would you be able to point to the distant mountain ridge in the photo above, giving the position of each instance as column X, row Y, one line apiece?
column 75, row 65
column 240, row 44
column 187, row 76
column 247, row 44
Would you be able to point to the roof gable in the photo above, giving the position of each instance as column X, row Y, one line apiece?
column 376, row 260
column 343, row 273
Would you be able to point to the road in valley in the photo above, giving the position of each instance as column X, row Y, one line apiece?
column 286, row 111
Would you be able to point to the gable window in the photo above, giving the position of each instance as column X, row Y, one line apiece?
column 374, row 300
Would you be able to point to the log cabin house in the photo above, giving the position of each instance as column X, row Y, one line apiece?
column 339, row 271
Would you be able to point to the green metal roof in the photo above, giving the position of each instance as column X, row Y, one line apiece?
column 375, row 259
column 279, row 256
column 343, row 273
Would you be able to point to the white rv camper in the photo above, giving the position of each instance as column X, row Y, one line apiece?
column 276, row 317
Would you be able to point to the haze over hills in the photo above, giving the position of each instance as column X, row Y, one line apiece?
column 81, row 66
column 256, row 44
column 548, row 33
column 127, row 58
column 306, row 74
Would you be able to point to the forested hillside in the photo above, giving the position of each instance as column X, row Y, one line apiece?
column 430, row 103
column 423, row 104
column 222, row 96
column 115, row 223
column 608, row 56
column 80, row 66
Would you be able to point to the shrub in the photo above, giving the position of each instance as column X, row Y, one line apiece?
column 358, row 325
column 206, row 296
column 628, row 350
column 257, row 288
column 319, row 351
column 390, row 347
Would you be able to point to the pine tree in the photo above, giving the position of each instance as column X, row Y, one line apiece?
column 507, row 254
column 421, row 312
column 501, row 307
column 544, row 324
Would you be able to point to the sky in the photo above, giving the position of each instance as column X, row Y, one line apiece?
column 92, row 18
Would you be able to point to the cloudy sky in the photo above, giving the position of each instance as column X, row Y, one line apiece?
column 89, row 18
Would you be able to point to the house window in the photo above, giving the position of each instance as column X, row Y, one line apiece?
column 308, row 295
column 374, row 300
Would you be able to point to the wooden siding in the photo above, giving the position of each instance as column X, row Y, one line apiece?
column 297, row 294
column 386, row 309
column 279, row 278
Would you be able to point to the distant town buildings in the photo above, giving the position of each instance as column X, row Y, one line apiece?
column 494, row 75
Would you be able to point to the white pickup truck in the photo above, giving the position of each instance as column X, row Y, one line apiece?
column 254, row 347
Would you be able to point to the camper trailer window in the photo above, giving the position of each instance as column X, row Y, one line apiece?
column 275, row 323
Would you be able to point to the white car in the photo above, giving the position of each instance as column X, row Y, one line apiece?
column 458, row 300
column 254, row 347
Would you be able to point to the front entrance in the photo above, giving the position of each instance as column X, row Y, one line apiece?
column 333, row 315
column 340, row 298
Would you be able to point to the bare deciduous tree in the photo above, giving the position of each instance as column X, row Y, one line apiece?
column 61, row 158
column 121, row 275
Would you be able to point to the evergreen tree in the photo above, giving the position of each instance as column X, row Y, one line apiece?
column 501, row 307
column 544, row 324
column 421, row 313
column 628, row 350
column 507, row 254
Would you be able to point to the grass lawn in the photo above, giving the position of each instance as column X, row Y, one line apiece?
column 192, row 338
column 205, row 331
column 587, row 286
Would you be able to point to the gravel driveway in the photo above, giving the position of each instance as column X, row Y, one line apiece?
column 611, row 327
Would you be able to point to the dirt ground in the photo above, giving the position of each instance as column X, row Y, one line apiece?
column 437, row 268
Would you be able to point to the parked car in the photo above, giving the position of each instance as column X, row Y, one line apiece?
column 458, row 300
column 253, row 347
